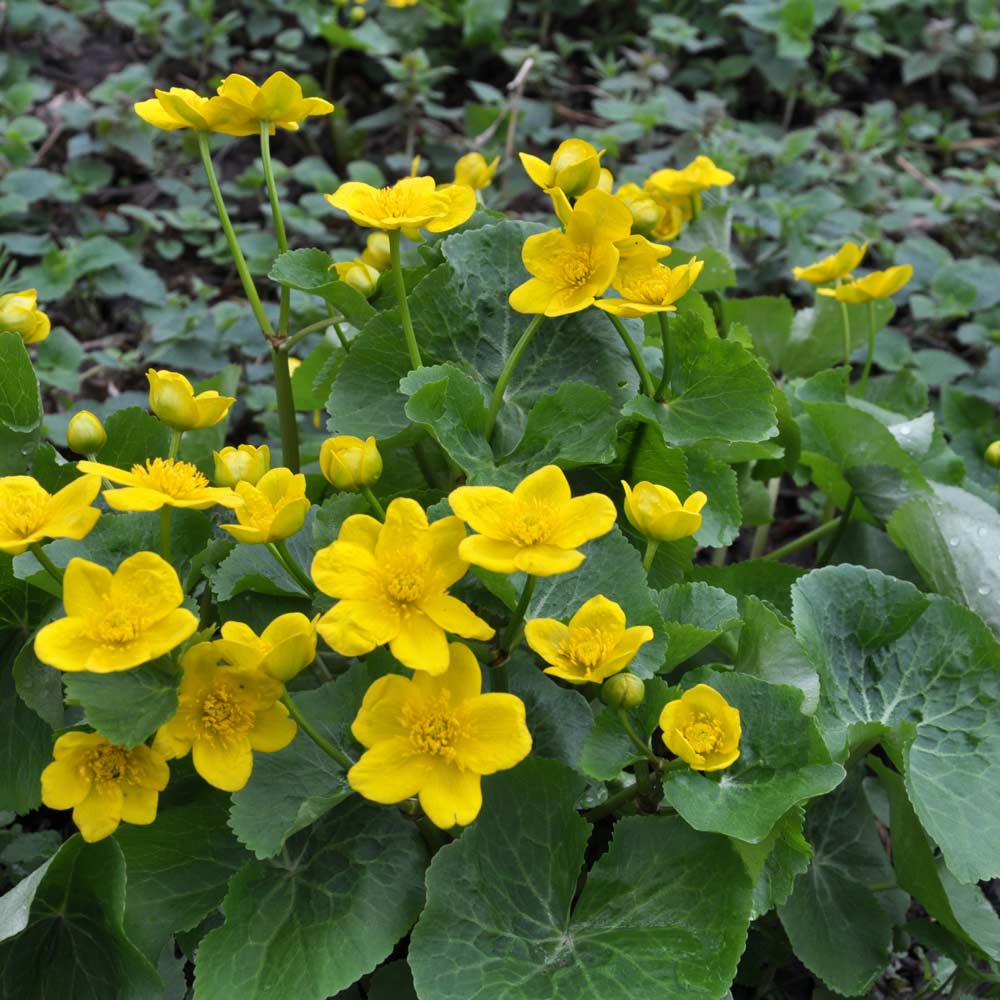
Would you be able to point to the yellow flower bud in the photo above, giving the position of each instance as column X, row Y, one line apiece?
column 623, row 691
column 702, row 728
column 360, row 276
column 575, row 167
column 85, row 434
column 658, row 513
column 605, row 181
column 357, row 15
column 473, row 171
column 350, row 464
column 245, row 464
column 993, row 454
column 377, row 251
column 172, row 399
column 646, row 213
column 19, row 313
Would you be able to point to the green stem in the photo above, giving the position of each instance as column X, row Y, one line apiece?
column 165, row 513
column 805, row 540
column 641, row 769
column 640, row 744
column 249, row 288
column 645, row 379
column 507, row 639
column 276, row 217
column 664, row 321
column 846, row 324
column 650, row 554
column 175, row 443
column 404, row 307
column 612, row 803
column 280, row 551
column 508, row 370
column 330, row 749
column 47, row 564
column 313, row 328
column 844, row 519
column 341, row 336
column 377, row 509
column 871, row 349
column 286, row 408
column 762, row 531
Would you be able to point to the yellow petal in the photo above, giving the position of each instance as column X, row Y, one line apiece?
column 100, row 813
column 546, row 637
column 600, row 615
column 137, row 499
column 538, row 170
column 153, row 112
column 361, row 530
column 461, row 203
column 65, row 783
column 441, row 543
column 547, row 485
column 405, row 519
column 462, row 680
column 625, row 650
column 491, row 554
column 389, row 772
column 380, row 717
column 420, row 644
column 62, row 644
column 226, row 766
column 494, row 733
column 450, row 796
column 272, row 729
column 486, row 509
column 150, row 579
column 85, row 588
column 584, row 518
column 532, row 297
column 454, row 616
column 355, row 627
column 169, row 632
column 547, row 560
column 138, row 804
column 344, row 569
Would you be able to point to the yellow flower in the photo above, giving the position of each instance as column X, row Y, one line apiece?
column 594, row 645
column 399, row 4
column 28, row 513
column 224, row 713
column 376, row 252
column 284, row 649
column 116, row 621
column 360, row 276
column 85, row 434
column 435, row 737
column 699, row 175
column 391, row 582
column 181, row 108
column 246, row 463
column 350, row 464
column 647, row 286
column 473, row 171
column 657, row 512
column 575, row 168
column 877, row 285
column 536, row 529
column 411, row 203
column 161, row 482
column 103, row 784
column 605, row 181
column 834, row 267
column 702, row 728
column 277, row 101
column 19, row 313
column 570, row 269
column 647, row 213
column 271, row 511
column 172, row 399
column 677, row 212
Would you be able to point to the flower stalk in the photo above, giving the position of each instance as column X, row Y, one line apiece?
column 47, row 564
column 404, row 306
column 645, row 379
column 508, row 370
column 329, row 748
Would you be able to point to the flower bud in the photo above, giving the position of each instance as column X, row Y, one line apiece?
column 245, row 464
column 623, row 691
column 605, row 180
column 576, row 167
column 377, row 251
column 172, row 399
column 357, row 15
column 993, row 454
column 85, row 434
column 19, row 313
column 360, row 276
column 349, row 463
column 657, row 512
column 473, row 171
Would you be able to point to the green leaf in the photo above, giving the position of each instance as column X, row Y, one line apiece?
column 558, row 718
column 953, row 538
column 25, row 743
column 133, row 436
column 178, row 868
column 614, row 568
column 962, row 909
column 817, row 338
column 292, row 788
column 769, row 650
column 717, row 390
column 779, row 859
column 72, row 943
column 783, row 762
column 308, row 270
column 129, row 706
column 717, row 273
column 20, row 407
column 511, row 881
column 722, row 516
column 920, row 672
column 695, row 614
column 768, row 580
column 39, row 686
column 311, row 923
column 769, row 320
column 835, row 923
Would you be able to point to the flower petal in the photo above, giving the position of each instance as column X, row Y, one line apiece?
column 547, row 560
column 405, row 520
column 272, row 729
column 61, row 644
column 361, row 530
column 355, row 627
column 389, row 772
column 462, row 680
column 138, row 804
column 226, row 766
column 346, row 570
column 486, row 509
column 170, row 632
column 100, row 813
column 451, row 796
column 136, row 499
column 601, row 615
column 441, row 543
column 65, row 783
column 380, row 717
column 547, row 485
column 454, row 616
column 85, row 587
column 582, row 519
column 546, row 637
column 148, row 583
column 420, row 644
column 494, row 733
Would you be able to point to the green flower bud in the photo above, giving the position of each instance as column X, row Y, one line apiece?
column 85, row 433
column 993, row 454
column 623, row 691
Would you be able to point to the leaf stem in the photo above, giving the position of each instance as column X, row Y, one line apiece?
column 287, row 418
column 175, row 443
column 838, row 536
column 47, row 564
column 404, row 307
column 664, row 320
column 510, row 636
column 640, row 745
column 650, row 554
column 804, row 541
column 312, row 328
column 612, row 803
column 330, row 749
column 508, row 370
column 645, row 379
column 281, row 554
column 277, row 219
column 377, row 509
column 249, row 288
